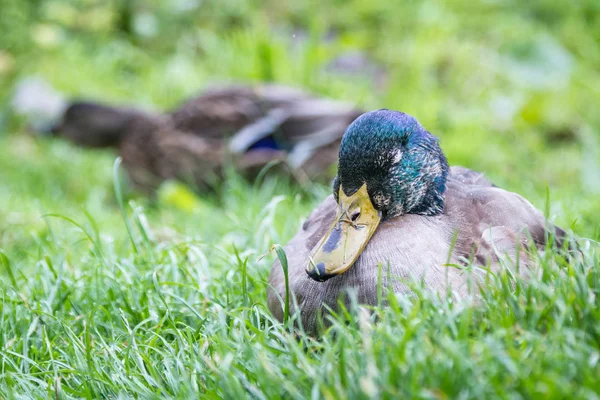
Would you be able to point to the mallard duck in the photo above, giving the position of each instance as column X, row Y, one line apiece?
column 398, row 206
column 247, row 126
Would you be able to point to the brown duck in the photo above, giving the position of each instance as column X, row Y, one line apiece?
column 398, row 206
column 247, row 127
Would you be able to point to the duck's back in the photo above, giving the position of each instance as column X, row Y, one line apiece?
column 480, row 222
column 247, row 114
column 219, row 112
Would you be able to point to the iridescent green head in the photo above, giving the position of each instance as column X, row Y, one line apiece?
column 401, row 163
column 389, row 165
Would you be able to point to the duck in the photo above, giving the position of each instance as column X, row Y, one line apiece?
column 399, row 214
column 246, row 126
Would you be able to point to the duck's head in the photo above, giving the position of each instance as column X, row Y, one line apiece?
column 94, row 125
column 389, row 165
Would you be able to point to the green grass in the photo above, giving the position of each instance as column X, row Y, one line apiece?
column 87, row 314
column 117, row 296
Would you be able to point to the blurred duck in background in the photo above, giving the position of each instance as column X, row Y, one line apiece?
column 246, row 127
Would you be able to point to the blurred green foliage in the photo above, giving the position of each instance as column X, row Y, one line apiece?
column 511, row 88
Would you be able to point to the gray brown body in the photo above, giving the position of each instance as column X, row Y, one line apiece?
column 480, row 222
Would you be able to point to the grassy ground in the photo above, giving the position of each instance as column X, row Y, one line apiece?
column 107, row 295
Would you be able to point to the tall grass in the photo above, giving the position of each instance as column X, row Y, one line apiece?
column 106, row 294
column 184, row 318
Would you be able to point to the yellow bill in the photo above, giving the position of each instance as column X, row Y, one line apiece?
column 341, row 246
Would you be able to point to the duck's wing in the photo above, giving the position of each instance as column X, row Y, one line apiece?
column 219, row 112
column 245, row 113
column 201, row 161
column 302, row 128
column 315, row 124
column 298, row 122
column 493, row 223
column 309, row 128
column 154, row 154
column 309, row 118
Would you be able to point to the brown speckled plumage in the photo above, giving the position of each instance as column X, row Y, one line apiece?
column 217, row 128
column 489, row 224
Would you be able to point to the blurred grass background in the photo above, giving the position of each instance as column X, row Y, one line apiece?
column 511, row 89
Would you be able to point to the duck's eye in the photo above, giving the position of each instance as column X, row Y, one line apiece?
column 354, row 216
